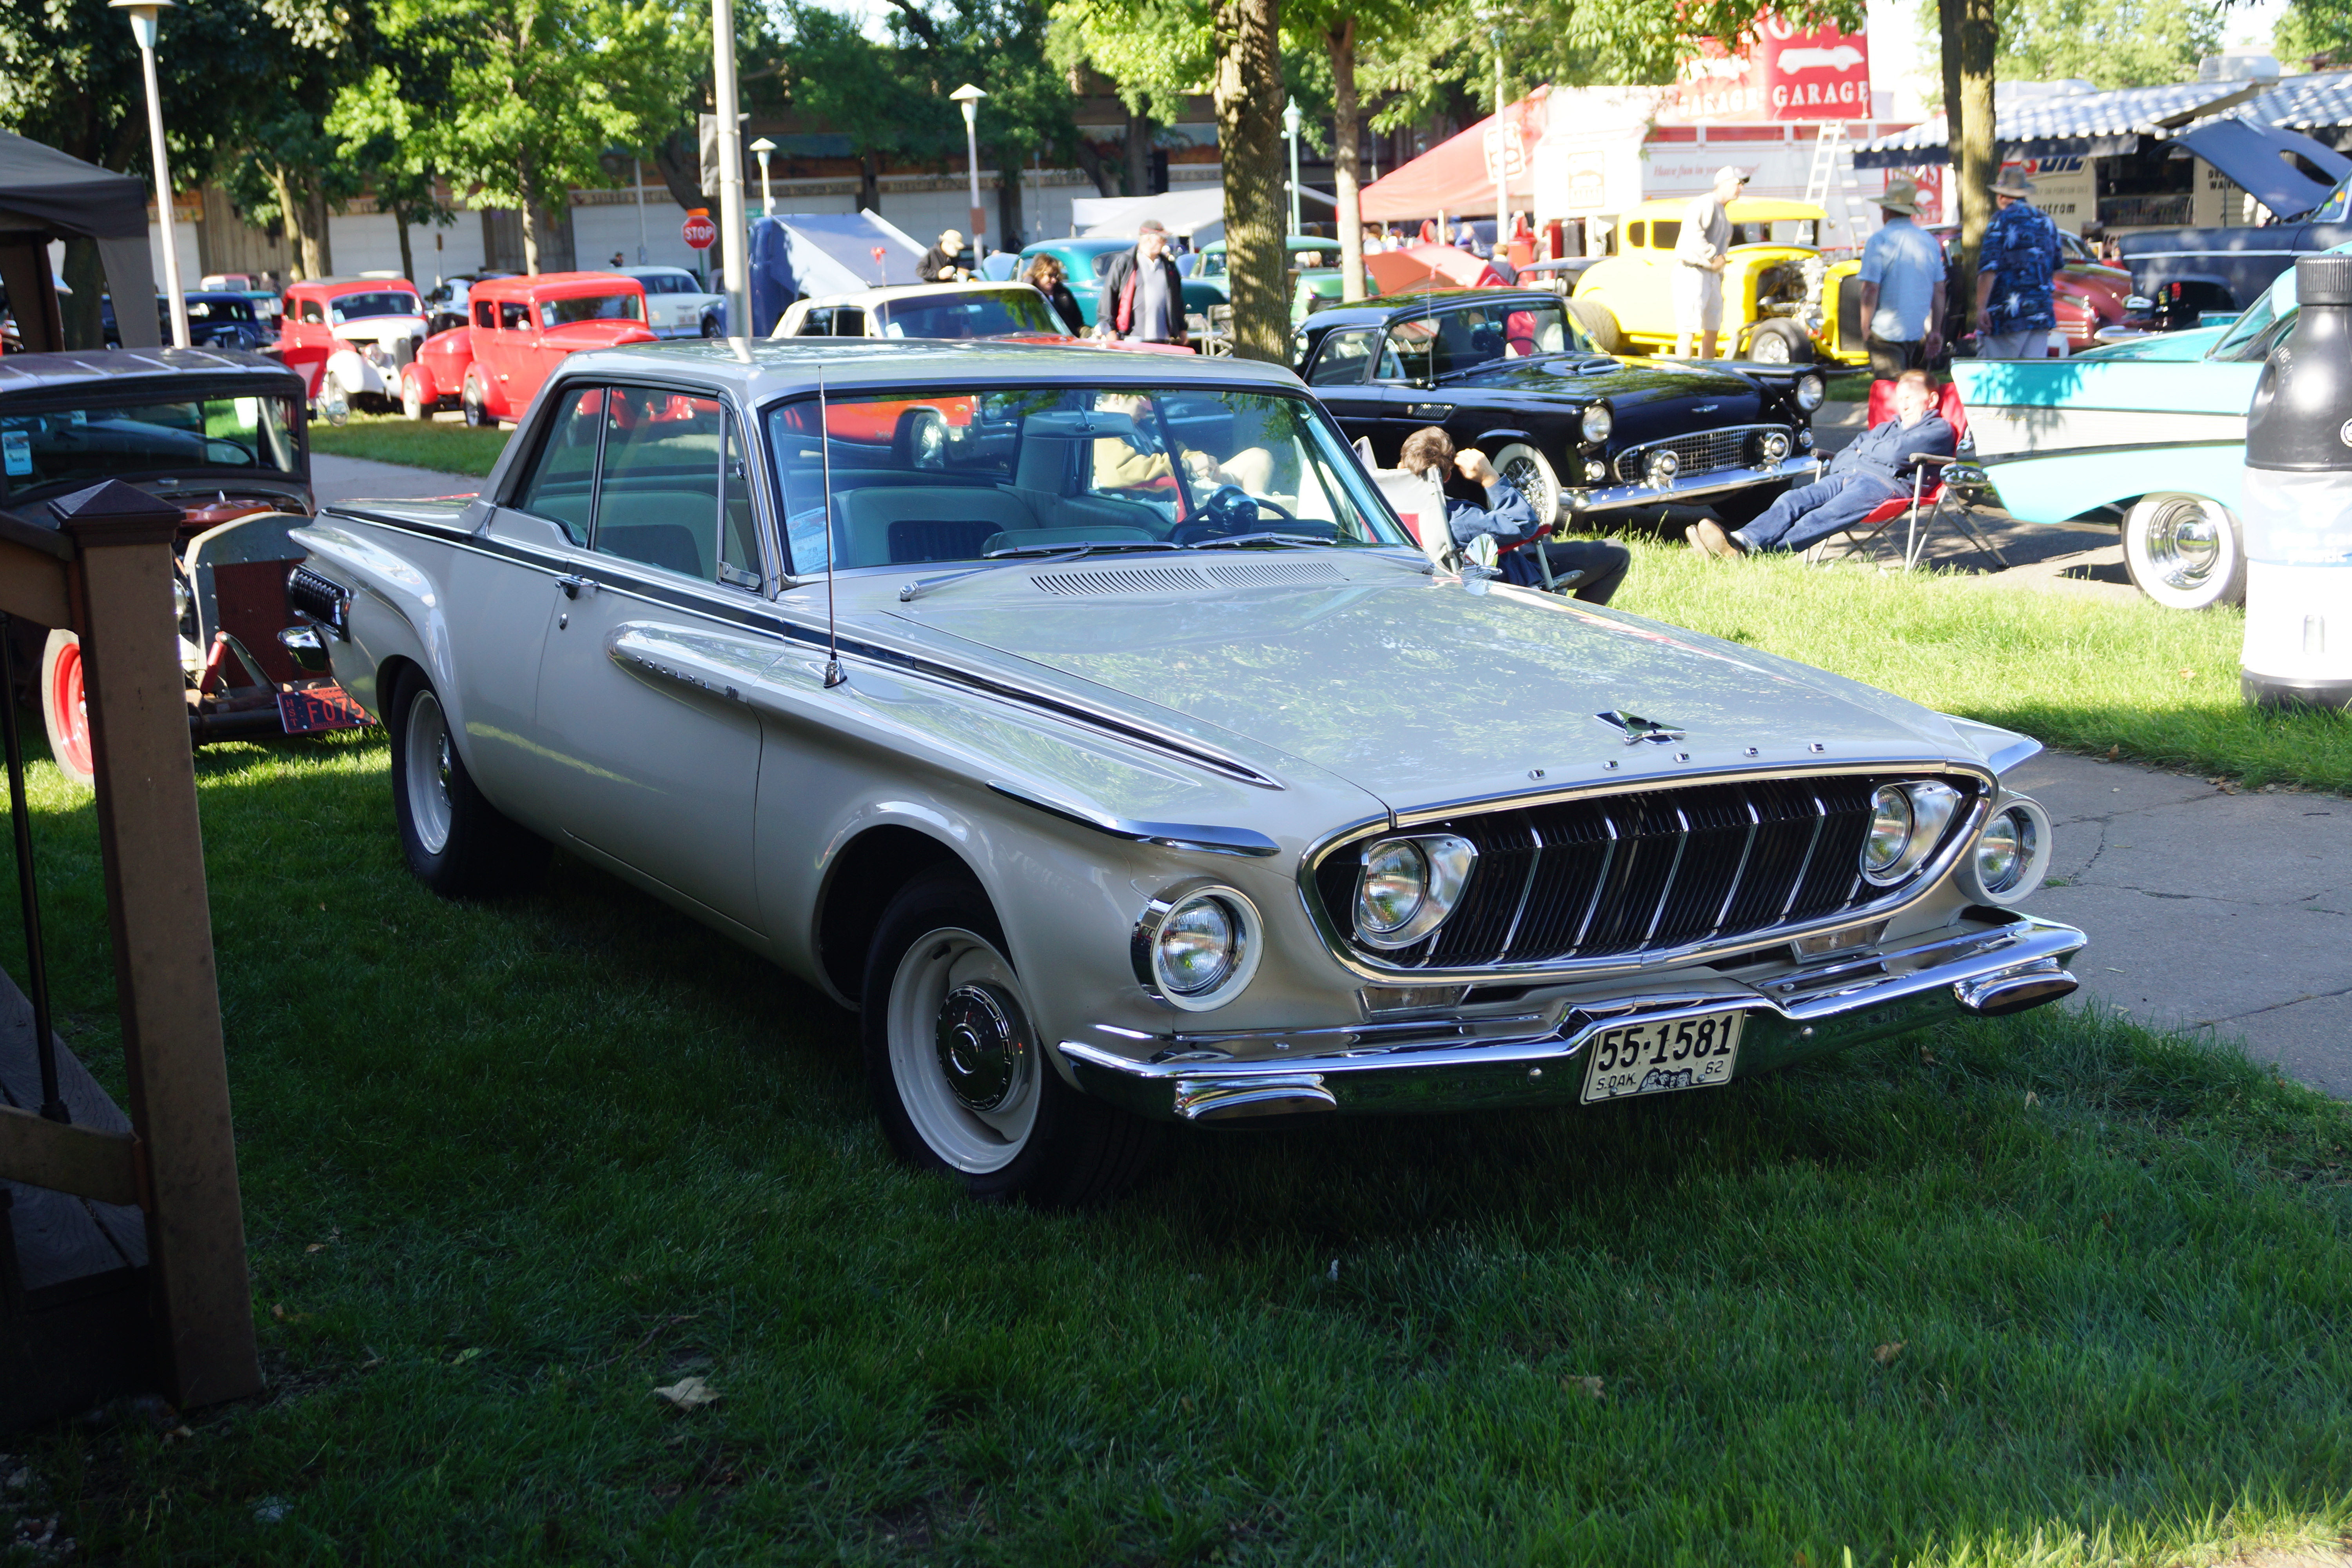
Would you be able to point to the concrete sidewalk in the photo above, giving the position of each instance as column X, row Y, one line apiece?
column 2207, row 908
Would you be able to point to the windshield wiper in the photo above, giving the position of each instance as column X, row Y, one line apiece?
column 1288, row 541
column 1055, row 554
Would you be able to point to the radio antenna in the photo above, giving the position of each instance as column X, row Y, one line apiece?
column 833, row 672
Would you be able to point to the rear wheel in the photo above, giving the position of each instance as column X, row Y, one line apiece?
column 2185, row 552
column 458, row 842
column 710, row 328
column 958, row 1072
column 65, row 708
column 1600, row 324
column 1530, row 472
column 1781, row 343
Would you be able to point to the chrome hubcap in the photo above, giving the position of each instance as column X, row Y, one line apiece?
column 2184, row 544
column 982, row 1051
column 428, row 765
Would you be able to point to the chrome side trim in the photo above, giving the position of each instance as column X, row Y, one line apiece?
column 1605, row 498
column 1859, row 998
column 1167, row 835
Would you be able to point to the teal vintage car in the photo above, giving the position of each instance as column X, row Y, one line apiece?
column 1086, row 259
column 2151, row 431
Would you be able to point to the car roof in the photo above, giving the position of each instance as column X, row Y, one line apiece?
column 554, row 284
column 1372, row 312
column 1296, row 242
column 651, row 271
column 1744, row 209
column 332, row 286
column 120, row 370
column 916, row 291
column 762, row 368
column 1087, row 242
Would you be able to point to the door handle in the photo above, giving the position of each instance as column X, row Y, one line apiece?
column 572, row 585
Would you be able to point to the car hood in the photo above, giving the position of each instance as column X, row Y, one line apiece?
column 2193, row 343
column 1423, row 689
column 1694, row 397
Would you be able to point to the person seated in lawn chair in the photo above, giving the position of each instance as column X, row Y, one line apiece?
column 1589, row 568
column 1876, row 469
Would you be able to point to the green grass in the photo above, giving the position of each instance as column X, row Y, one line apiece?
column 2083, row 673
column 506, row 1168
column 427, row 444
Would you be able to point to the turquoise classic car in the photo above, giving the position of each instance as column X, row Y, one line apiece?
column 2151, row 431
column 1084, row 261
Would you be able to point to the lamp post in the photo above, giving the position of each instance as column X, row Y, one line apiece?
column 736, row 276
column 760, row 149
column 143, row 30
column 1290, row 128
column 969, row 97
column 1499, row 148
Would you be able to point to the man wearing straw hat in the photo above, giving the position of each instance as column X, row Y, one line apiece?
column 1902, row 281
column 943, row 262
column 2016, row 306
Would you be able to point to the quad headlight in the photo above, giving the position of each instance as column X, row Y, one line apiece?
column 1906, row 823
column 2011, row 854
column 1598, row 423
column 1810, row 390
column 1197, row 947
column 1408, row 887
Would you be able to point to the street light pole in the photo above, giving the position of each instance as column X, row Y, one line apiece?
column 760, row 149
column 1290, row 128
column 736, row 275
column 1498, row 150
column 969, row 97
column 142, row 31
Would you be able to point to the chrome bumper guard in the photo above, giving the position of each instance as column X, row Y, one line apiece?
column 1532, row 1057
column 1577, row 502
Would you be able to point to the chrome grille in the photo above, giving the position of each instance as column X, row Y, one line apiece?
column 1626, row 874
column 1702, row 452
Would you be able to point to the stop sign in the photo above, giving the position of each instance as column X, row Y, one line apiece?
column 700, row 231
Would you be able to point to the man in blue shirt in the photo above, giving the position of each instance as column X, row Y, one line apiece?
column 1876, row 469
column 2016, row 302
column 1902, row 281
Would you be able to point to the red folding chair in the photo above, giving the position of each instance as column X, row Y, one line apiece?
column 1925, row 506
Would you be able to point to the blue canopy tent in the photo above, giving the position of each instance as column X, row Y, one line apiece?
column 800, row 254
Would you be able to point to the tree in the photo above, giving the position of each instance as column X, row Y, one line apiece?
column 2317, row 33
column 383, row 138
column 524, row 94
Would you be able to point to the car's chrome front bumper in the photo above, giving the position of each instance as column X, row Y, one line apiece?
column 1525, row 1057
column 1574, row 503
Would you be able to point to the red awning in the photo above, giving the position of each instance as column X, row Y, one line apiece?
column 1420, row 265
column 1455, row 176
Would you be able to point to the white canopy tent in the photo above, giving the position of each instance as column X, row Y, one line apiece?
column 1178, row 212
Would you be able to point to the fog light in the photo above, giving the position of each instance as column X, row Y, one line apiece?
column 1774, row 445
column 1595, row 471
column 1660, row 469
column 2011, row 854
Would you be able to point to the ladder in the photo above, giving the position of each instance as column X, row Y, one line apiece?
column 1835, row 188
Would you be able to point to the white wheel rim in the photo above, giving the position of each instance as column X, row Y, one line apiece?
column 1771, row 348
column 428, row 764
column 940, row 965
column 1522, row 468
column 2186, row 545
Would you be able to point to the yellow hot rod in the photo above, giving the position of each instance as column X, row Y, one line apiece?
column 1784, row 300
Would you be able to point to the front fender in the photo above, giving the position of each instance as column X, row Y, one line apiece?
column 395, row 613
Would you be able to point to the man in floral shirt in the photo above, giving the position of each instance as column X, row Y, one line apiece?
column 2016, row 307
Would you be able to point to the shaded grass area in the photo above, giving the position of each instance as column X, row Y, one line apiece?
column 426, row 444
column 2051, row 1290
column 2085, row 674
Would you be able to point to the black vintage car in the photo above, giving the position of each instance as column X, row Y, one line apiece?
column 1578, row 431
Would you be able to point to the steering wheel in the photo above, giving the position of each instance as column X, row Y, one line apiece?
column 243, row 459
column 1230, row 509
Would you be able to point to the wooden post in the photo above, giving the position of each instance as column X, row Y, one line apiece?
column 121, row 589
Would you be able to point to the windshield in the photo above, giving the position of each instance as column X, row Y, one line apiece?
column 2331, row 209
column 926, row 476
column 629, row 307
column 189, row 440
column 976, row 313
column 220, row 309
column 2253, row 334
column 352, row 307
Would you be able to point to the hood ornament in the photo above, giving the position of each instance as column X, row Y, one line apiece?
column 1637, row 729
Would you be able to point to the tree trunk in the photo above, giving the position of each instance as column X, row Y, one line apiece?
column 1139, row 152
column 85, row 326
column 407, row 255
column 318, row 245
column 679, row 158
column 869, row 181
column 1008, row 199
column 1091, row 164
column 1977, row 159
column 1247, row 87
column 1346, row 134
column 530, row 220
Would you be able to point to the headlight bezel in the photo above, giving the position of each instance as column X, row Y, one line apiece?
column 1447, row 859
column 1597, row 424
column 2033, row 864
column 1146, row 952
column 1931, row 806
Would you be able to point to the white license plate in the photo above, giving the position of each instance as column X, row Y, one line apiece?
column 1628, row 1059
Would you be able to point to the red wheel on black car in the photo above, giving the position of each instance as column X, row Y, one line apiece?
column 63, row 708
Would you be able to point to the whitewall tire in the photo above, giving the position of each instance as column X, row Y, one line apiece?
column 1530, row 472
column 2186, row 552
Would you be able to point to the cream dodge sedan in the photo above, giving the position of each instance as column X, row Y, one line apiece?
column 1090, row 727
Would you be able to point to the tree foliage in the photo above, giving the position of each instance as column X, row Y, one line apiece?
column 2108, row 43
column 2314, row 31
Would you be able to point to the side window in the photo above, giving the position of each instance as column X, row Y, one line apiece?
column 514, row 316
column 486, row 315
column 739, row 539
column 562, row 482
column 817, row 323
column 1342, row 359
column 658, row 499
column 313, row 312
column 1636, row 236
column 1666, row 234
column 1407, row 355
column 849, row 322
